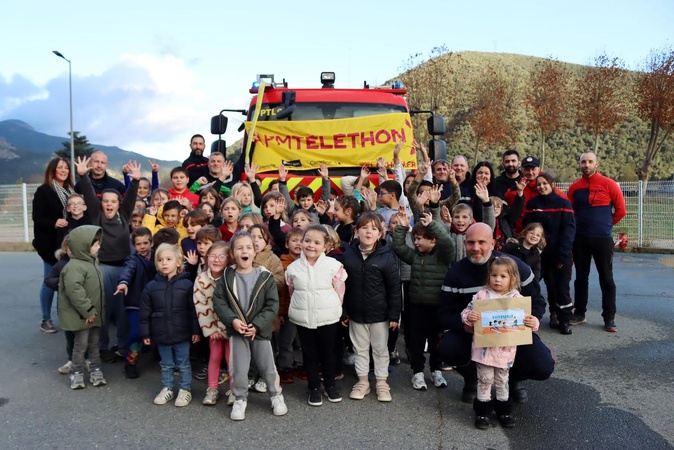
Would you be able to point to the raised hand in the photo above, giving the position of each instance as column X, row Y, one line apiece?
column 227, row 169
column 381, row 167
column 280, row 206
column 370, row 196
column 82, row 165
column 435, row 193
column 282, row 173
column 192, row 257
column 402, row 217
column 452, row 176
column 364, row 172
column 251, row 171
column 323, row 171
column 134, row 170
column 426, row 218
column 521, row 184
column 396, row 150
column 445, row 215
column 482, row 192
column 153, row 165
column 321, row 207
column 202, row 181
column 422, row 198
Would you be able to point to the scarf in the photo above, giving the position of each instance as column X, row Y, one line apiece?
column 63, row 194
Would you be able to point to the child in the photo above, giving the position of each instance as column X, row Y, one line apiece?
column 168, row 319
column 167, row 216
column 304, row 195
column 493, row 362
column 76, row 209
column 81, row 303
column 434, row 250
column 372, row 302
column 247, row 220
column 230, row 212
column 210, row 213
column 246, row 301
column 209, row 196
column 462, row 218
column 165, row 236
column 528, row 247
column 159, row 197
column 52, row 281
column 138, row 271
column 302, row 219
column 346, row 213
column 211, row 326
column 266, row 258
column 136, row 219
column 285, row 358
column 243, row 192
column 179, row 191
column 316, row 285
column 193, row 221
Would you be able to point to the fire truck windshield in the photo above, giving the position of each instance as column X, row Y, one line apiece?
column 332, row 110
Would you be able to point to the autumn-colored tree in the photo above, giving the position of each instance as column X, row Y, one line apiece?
column 548, row 99
column 489, row 110
column 655, row 103
column 602, row 96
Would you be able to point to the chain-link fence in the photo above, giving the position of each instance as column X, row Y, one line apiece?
column 649, row 221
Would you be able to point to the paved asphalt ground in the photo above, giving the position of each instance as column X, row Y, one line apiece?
column 608, row 390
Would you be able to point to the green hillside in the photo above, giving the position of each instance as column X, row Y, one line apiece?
column 447, row 83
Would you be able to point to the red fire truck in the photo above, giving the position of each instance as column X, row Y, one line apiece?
column 343, row 128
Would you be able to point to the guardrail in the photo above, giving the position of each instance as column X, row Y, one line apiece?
column 649, row 221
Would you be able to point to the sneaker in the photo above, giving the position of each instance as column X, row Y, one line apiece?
column 260, row 386
column 131, row 371
column 238, row 410
column 360, row 390
column 610, row 326
column 301, row 373
column 315, row 397
column 230, row 398
column 66, row 368
column 223, row 377
column 438, row 380
column 564, row 328
column 211, row 398
column 554, row 322
column 163, row 397
column 202, row 373
column 394, row 358
column 251, row 385
column 482, row 422
column 349, row 359
column 383, row 391
column 577, row 319
column 47, row 327
column 278, row 405
column 77, row 380
column 184, row 398
column 96, row 378
column 333, row 394
column 418, row 382
column 506, row 421
column 287, row 377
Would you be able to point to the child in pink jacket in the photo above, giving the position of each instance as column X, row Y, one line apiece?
column 493, row 363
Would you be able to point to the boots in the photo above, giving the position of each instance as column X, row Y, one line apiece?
column 504, row 409
column 482, row 412
column 469, row 374
column 517, row 393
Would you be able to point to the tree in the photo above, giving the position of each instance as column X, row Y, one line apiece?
column 655, row 103
column 82, row 147
column 602, row 96
column 489, row 110
column 548, row 99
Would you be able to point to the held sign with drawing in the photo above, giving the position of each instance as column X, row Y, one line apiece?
column 501, row 322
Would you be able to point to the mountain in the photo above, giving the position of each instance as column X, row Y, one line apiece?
column 25, row 152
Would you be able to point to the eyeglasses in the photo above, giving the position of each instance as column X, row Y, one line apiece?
column 384, row 193
column 218, row 257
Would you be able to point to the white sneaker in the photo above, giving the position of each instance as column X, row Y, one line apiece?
column 66, row 368
column 278, row 405
column 238, row 410
column 438, row 380
column 163, row 397
column 260, row 386
column 184, row 398
column 211, row 398
column 418, row 382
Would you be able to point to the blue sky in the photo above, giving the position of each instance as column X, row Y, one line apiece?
column 146, row 75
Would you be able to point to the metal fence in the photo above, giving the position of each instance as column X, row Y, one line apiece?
column 649, row 221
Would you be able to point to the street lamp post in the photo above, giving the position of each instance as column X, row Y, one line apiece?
column 72, row 136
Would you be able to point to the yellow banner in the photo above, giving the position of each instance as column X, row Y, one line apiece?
column 352, row 142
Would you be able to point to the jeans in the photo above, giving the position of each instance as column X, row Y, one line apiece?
column 175, row 356
column 86, row 341
column 46, row 294
column 114, row 308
